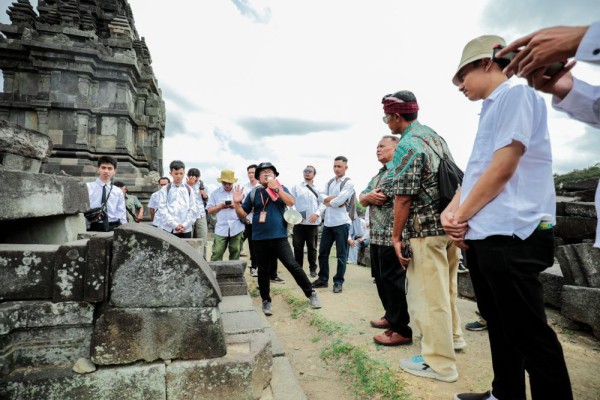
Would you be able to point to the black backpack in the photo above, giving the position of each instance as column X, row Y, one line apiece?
column 449, row 175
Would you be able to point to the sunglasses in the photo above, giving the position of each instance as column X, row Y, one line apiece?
column 309, row 171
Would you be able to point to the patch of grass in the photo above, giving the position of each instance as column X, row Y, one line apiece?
column 369, row 378
column 253, row 291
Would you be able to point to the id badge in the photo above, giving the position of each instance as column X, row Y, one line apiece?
column 262, row 217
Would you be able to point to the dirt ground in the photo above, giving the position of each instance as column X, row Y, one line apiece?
column 359, row 303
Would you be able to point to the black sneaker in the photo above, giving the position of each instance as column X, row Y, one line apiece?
column 473, row 396
column 277, row 280
column 313, row 273
column 337, row 288
column 319, row 284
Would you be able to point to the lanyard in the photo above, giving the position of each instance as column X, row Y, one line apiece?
column 263, row 200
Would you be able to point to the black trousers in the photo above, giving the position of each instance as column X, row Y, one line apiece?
column 280, row 249
column 306, row 234
column 272, row 266
column 99, row 226
column 390, row 280
column 505, row 273
column 184, row 235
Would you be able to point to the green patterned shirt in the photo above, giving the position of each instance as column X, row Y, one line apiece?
column 414, row 173
column 381, row 218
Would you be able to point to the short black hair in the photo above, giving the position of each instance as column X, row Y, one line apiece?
column 119, row 184
column 164, row 177
column 341, row 158
column 194, row 172
column 409, row 97
column 176, row 164
column 107, row 160
column 311, row 166
column 251, row 166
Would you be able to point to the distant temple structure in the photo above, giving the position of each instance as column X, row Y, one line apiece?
column 79, row 72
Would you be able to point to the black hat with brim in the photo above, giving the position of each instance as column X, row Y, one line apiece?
column 264, row 165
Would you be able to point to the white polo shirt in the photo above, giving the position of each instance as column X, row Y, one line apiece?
column 513, row 112
column 228, row 223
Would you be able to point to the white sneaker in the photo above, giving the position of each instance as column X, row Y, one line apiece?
column 267, row 308
column 460, row 344
column 416, row 366
column 314, row 300
column 253, row 272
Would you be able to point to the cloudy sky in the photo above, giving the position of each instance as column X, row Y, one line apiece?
column 300, row 82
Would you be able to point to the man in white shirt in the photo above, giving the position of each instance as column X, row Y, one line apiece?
column 228, row 228
column 153, row 202
column 101, row 192
column 339, row 191
column 503, row 215
column 309, row 203
column 177, row 204
column 200, row 230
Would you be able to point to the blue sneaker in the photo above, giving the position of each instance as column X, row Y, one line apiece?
column 417, row 366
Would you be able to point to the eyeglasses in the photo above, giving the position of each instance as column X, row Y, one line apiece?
column 386, row 118
column 308, row 171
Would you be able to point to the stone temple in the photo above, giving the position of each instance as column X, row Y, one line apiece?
column 132, row 314
column 79, row 72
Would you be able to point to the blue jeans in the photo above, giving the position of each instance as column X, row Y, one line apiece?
column 339, row 236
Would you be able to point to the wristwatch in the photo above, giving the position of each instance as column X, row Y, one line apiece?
column 276, row 190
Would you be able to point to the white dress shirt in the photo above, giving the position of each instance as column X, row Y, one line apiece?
column 115, row 204
column 176, row 206
column 513, row 112
column 336, row 215
column 307, row 202
column 228, row 223
column 583, row 101
column 153, row 203
column 200, row 211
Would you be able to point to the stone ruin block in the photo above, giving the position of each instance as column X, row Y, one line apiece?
column 95, row 288
column 582, row 304
column 22, row 149
column 125, row 335
column 575, row 227
column 134, row 382
column 26, row 271
column 242, row 374
column 41, row 333
column 552, row 282
column 32, row 195
column 465, row 286
column 69, row 271
column 152, row 268
column 578, row 208
column 580, row 264
column 230, row 275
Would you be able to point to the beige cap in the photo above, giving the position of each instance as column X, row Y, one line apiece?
column 477, row 49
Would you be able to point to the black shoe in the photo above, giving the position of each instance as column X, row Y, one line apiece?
column 313, row 273
column 319, row 284
column 337, row 288
column 472, row 396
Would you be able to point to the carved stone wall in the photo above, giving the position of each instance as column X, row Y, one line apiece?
column 80, row 73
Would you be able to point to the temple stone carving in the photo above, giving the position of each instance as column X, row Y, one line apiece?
column 78, row 71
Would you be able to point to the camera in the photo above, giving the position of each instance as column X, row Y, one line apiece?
column 551, row 70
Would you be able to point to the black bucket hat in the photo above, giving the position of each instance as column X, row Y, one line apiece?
column 264, row 165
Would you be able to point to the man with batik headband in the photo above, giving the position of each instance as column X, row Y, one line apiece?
column 432, row 266
column 390, row 277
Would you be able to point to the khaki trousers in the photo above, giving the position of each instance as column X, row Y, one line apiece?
column 431, row 295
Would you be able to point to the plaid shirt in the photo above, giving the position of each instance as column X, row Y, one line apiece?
column 381, row 218
column 414, row 173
